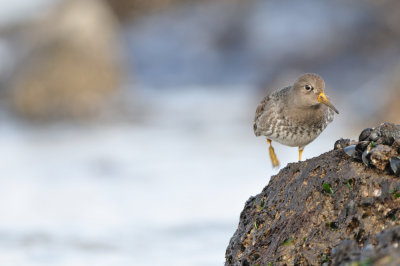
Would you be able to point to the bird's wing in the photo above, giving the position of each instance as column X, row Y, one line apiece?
column 265, row 112
column 261, row 108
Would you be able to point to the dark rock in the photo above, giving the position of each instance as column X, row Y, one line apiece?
column 347, row 251
column 367, row 202
column 384, row 251
column 301, row 223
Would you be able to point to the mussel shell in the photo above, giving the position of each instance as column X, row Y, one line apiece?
column 396, row 145
column 375, row 135
column 395, row 165
column 350, row 150
column 341, row 144
column 389, row 132
column 365, row 157
column 362, row 146
column 365, row 134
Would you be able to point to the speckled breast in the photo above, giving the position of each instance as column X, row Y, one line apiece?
column 296, row 136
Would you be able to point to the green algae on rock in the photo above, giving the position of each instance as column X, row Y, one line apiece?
column 321, row 226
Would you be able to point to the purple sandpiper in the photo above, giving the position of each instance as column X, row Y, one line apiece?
column 294, row 115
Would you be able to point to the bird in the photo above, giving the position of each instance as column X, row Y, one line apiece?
column 294, row 115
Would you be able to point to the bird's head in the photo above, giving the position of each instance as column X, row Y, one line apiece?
column 309, row 91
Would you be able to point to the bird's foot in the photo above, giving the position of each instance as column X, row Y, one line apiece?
column 300, row 153
column 274, row 159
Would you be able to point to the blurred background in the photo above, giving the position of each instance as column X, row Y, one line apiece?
column 126, row 126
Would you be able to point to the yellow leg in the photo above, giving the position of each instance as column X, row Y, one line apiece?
column 300, row 152
column 272, row 155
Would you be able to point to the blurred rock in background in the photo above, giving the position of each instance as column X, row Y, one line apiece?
column 69, row 63
column 178, row 44
column 129, row 9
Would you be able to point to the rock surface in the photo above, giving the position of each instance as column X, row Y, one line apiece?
column 330, row 210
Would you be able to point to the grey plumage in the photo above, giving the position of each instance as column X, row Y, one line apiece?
column 295, row 115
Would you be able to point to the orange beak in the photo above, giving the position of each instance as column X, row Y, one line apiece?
column 322, row 99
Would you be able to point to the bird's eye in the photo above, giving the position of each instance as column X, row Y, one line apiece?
column 308, row 87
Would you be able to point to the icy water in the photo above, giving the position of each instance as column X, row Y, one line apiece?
column 166, row 191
